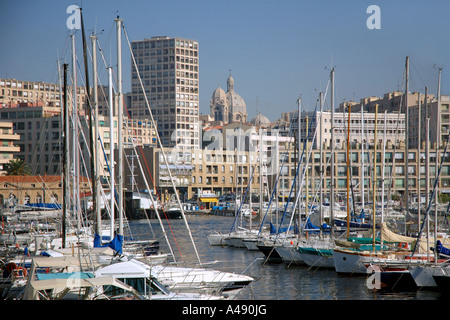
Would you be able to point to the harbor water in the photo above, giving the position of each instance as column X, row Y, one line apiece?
column 273, row 281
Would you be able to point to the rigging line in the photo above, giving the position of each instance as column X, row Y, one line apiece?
column 296, row 174
column 274, row 189
column 157, row 194
column 302, row 181
column 156, row 210
column 243, row 199
column 139, row 193
column 161, row 146
column 430, row 203
column 418, row 74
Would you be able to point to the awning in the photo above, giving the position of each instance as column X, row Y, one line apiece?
column 209, row 200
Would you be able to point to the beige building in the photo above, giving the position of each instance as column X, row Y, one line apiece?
column 34, row 189
column 8, row 147
column 169, row 69
column 14, row 92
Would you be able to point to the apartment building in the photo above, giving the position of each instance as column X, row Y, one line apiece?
column 169, row 70
column 8, row 147
column 14, row 92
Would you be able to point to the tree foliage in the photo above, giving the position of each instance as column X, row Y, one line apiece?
column 17, row 167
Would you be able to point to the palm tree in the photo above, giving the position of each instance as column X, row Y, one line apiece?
column 17, row 167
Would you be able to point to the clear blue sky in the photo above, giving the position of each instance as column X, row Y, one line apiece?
column 276, row 50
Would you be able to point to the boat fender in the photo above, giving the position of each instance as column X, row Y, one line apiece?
column 403, row 245
column 17, row 271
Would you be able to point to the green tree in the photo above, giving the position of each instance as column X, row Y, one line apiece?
column 17, row 167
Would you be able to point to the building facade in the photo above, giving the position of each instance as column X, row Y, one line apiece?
column 169, row 69
column 21, row 190
column 8, row 147
column 14, row 92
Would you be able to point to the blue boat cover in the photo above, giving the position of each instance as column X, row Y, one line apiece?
column 44, row 205
column 274, row 230
column 441, row 249
column 115, row 244
column 64, row 275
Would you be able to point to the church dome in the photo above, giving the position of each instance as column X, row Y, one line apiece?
column 218, row 96
column 260, row 120
column 236, row 103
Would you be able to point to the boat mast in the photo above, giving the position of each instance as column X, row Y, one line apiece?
column 427, row 175
column 261, row 192
column 332, row 156
column 75, row 159
column 348, row 172
column 95, row 154
column 427, row 168
column 120, row 122
column 362, row 158
column 438, row 143
column 65, row 158
column 407, row 135
column 299, row 137
column 91, row 133
column 111, row 149
column 383, row 163
column 374, row 179
column 419, row 119
column 321, row 161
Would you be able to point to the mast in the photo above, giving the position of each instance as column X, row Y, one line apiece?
column 299, row 143
column 383, row 161
column 95, row 154
column 332, row 156
column 348, row 173
column 120, row 122
column 362, row 157
column 75, row 162
column 321, row 161
column 407, row 135
column 91, row 133
column 261, row 192
column 306, row 170
column 419, row 119
column 374, row 179
column 111, row 150
column 427, row 175
column 438, row 143
column 65, row 158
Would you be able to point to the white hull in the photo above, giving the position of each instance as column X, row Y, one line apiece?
column 200, row 280
column 352, row 262
column 216, row 239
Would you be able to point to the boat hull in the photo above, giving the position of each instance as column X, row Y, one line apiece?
column 216, row 239
column 290, row 255
column 250, row 244
column 270, row 252
column 317, row 258
column 353, row 262
column 424, row 275
column 393, row 279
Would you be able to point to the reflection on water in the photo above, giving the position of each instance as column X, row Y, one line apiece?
column 273, row 281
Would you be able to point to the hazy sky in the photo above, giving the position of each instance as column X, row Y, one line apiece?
column 276, row 50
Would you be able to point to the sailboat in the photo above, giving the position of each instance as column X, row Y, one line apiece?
column 183, row 278
column 318, row 252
